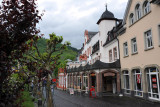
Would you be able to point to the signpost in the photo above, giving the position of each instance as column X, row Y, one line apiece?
column 71, row 91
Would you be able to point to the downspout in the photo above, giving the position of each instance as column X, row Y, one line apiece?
column 120, row 65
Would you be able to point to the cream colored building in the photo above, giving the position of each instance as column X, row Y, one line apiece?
column 139, row 43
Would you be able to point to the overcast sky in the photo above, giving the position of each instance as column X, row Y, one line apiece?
column 70, row 18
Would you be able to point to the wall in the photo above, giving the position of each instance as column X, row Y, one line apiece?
column 150, row 21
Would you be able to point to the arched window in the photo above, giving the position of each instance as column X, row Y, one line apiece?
column 131, row 18
column 138, row 11
column 146, row 7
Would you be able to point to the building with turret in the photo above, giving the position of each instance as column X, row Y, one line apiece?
column 101, row 52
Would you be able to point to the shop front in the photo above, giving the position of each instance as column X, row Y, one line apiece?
column 153, row 83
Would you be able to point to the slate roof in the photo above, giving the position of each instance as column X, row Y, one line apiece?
column 97, row 65
column 107, row 15
column 90, row 35
column 112, row 35
column 101, row 65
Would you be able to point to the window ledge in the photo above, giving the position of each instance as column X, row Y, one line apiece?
column 134, row 53
column 126, row 56
column 149, row 48
column 139, row 19
column 138, row 96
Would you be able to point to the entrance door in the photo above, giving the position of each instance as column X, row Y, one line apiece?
column 93, row 81
column 153, row 84
column 107, row 84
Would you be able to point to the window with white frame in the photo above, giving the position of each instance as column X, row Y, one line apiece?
column 153, row 83
column 131, row 18
column 138, row 11
column 126, row 82
column 134, row 45
column 110, row 55
column 85, row 82
column 125, row 47
column 115, row 53
column 137, row 79
column 148, row 39
column 146, row 7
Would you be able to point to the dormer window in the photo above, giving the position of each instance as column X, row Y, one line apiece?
column 131, row 18
column 146, row 7
column 138, row 11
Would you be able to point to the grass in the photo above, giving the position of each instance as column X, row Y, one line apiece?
column 26, row 99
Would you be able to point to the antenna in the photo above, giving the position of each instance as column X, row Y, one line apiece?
column 106, row 5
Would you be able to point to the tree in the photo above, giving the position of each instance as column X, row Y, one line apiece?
column 45, row 63
column 18, row 19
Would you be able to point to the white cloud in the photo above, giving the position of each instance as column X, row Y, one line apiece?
column 70, row 18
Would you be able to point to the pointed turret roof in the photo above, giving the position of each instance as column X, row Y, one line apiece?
column 107, row 15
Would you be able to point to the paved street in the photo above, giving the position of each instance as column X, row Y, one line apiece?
column 63, row 99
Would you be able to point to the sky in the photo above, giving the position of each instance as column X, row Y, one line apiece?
column 70, row 18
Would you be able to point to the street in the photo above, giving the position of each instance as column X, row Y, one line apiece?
column 63, row 99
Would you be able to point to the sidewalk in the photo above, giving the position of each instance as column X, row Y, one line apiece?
column 63, row 99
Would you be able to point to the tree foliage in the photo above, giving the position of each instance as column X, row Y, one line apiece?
column 18, row 19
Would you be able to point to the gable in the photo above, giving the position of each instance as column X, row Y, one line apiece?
column 127, row 11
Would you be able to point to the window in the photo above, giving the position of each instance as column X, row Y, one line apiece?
column 126, row 82
column 131, row 18
column 75, row 82
column 138, row 11
column 153, row 83
column 79, row 82
column 148, row 39
column 110, row 55
column 71, row 81
column 134, row 45
column 115, row 53
column 137, row 78
column 146, row 7
column 125, row 45
column 85, row 82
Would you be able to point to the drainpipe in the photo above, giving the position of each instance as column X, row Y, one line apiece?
column 120, row 64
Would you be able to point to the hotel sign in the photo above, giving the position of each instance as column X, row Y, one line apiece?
column 92, row 74
column 109, row 74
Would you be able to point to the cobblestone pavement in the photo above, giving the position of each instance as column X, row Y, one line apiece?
column 63, row 99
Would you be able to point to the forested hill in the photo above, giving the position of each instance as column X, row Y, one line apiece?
column 70, row 53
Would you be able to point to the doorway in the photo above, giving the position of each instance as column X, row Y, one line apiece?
column 107, row 83
column 93, row 80
column 153, row 83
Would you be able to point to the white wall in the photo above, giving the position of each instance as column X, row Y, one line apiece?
column 108, row 47
column 104, row 27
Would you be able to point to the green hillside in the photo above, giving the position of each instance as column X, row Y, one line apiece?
column 70, row 53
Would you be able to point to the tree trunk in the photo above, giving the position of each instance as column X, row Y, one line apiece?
column 49, row 93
